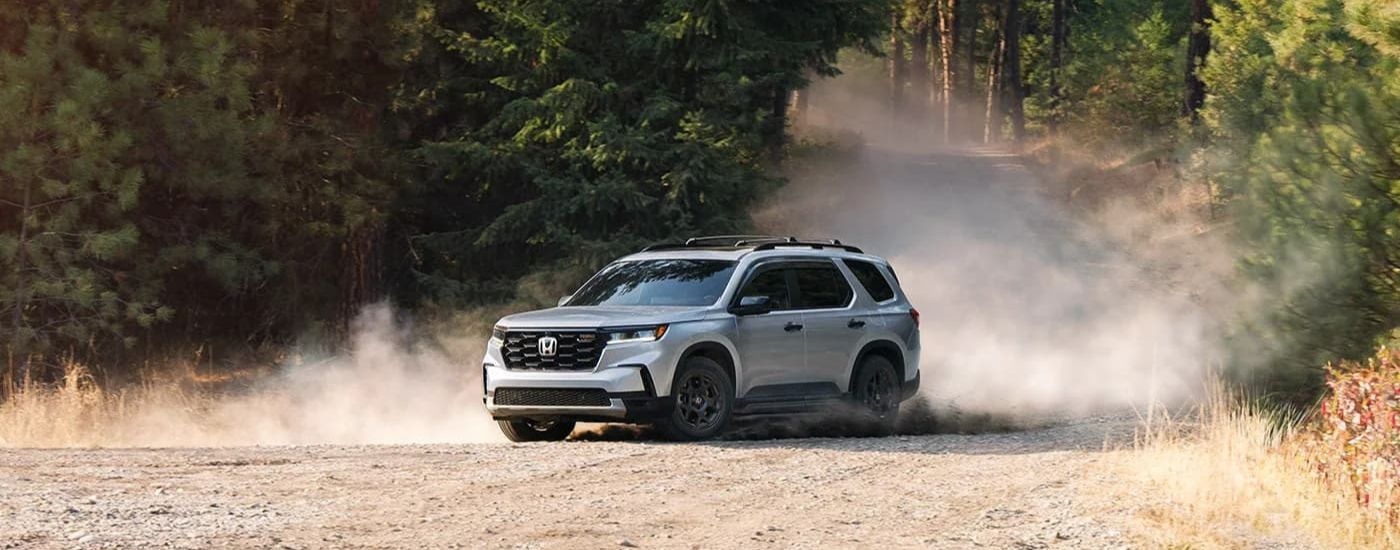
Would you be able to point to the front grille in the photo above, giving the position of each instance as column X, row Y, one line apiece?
column 552, row 397
column 576, row 351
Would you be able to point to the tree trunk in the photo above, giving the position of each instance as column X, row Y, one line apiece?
column 919, row 70
column 991, row 131
column 935, row 55
column 20, row 371
column 800, row 104
column 970, row 20
column 1015, row 89
column 898, row 68
column 777, row 130
column 362, row 276
column 1059, row 37
column 947, row 46
column 1197, row 48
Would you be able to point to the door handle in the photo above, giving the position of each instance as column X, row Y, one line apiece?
column 792, row 327
column 856, row 323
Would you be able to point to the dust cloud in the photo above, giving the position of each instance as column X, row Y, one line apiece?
column 1030, row 308
column 396, row 383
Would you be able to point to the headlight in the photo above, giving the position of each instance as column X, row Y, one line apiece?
column 498, row 333
column 644, row 334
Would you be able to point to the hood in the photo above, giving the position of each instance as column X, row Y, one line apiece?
column 601, row 316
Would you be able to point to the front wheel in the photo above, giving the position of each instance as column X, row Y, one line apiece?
column 704, row 401
column 877, row 395
column 529, row 429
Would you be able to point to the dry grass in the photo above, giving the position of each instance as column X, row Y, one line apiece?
column 1235, row 474
column 166, row 409
column 393, row 382
column 391, row 386
column 368, row 401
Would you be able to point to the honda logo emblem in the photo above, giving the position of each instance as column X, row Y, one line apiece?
column 549, row 346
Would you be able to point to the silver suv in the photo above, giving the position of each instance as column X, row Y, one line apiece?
column 690, row 335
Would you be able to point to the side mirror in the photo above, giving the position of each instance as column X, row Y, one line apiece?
column 564, row 300
column 752, row 305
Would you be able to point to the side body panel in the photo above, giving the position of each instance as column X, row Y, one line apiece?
column 772, row 354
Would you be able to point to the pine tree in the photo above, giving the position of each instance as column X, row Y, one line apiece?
column 1305, row 105
column 68, row 242
column 588, row 130
column 197, row 163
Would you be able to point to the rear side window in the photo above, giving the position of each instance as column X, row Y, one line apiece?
column 821, row 286
column 870, row 277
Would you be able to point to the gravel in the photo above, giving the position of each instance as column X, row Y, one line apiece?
column 1033, row 489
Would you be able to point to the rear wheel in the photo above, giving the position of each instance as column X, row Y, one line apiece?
column 704, row 397
column 876, row 391
column 530, row 429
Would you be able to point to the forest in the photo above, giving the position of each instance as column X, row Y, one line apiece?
column 175, row 173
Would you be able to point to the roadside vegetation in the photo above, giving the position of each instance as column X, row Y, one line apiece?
column 1292, row 158
column 1234, row 469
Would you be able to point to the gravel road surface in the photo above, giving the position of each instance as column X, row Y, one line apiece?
column 1041, row 488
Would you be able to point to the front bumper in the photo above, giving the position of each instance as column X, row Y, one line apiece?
column 628, row 374
column 631, row 394
column 621, row 407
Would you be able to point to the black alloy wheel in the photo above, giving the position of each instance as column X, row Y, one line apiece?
column 704, row 401
column 877, row 393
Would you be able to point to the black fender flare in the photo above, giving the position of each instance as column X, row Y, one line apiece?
column 713, row 350
column 889, row 350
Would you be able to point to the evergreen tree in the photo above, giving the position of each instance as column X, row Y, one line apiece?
column 1305, row 104
column 193, row 162
column 562, row 133
column 1122, row 85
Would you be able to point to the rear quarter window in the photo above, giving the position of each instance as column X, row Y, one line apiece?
column 872, row 279
column 822, row 287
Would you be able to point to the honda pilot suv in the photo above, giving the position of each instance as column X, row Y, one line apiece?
column 689, row 336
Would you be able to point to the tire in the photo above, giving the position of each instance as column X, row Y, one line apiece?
column 876, row 391
column 704, row 401
column 525, row 429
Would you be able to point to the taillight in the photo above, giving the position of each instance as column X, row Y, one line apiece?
column 914, row 313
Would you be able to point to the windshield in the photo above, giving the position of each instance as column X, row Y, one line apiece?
column 656, row 283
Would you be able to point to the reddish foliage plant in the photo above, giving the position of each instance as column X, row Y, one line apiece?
column 1356, row 441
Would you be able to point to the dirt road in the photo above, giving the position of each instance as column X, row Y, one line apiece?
column 1035, row 489
column 1004, row 288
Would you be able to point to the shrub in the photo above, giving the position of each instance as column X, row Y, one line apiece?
column 1356, row 442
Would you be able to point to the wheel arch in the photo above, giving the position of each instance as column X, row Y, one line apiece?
column 883, row 348
column 714, row 351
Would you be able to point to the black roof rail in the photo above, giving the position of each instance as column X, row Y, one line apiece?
column 833, row 243
column 733, row 240
column 765, row 240
column 757, row 242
